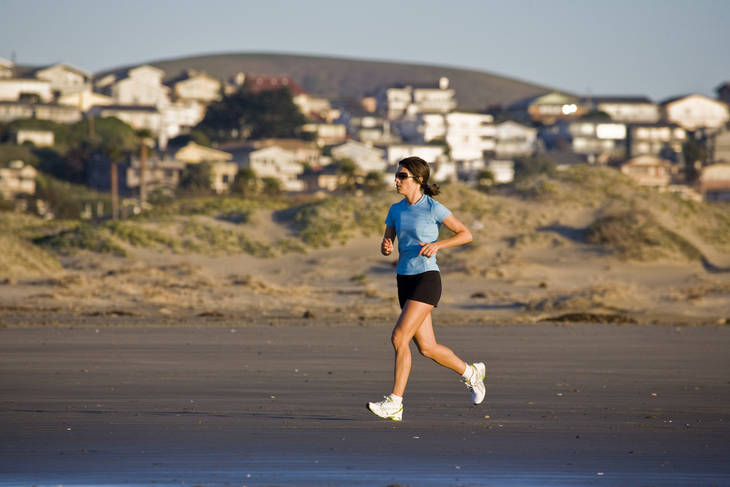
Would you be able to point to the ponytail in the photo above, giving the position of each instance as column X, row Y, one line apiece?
column 430, row 189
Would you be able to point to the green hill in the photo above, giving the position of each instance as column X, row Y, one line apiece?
column 338, row 77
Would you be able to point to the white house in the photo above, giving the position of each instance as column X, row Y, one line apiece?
column 39, row 138
column 326, row 133
column 7, row 69
column 18, row 178
column 715, row 182
column 395, row 102
column 223, row 172
column 627, row 109
column 470, row 135
column 85, row 99
column 655, row 138
column 695, row 111
column 14, row 89
column 428, row 153
column 648, row 170
column 515, row 139
column 196, row 86
column 137, row 116
column 278, row 163
column 365, row 157
column 594, row 138
column 65, row 79
column 503, row 170
column 13, row 110
column 141, row 86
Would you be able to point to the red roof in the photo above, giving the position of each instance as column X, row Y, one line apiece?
column 257, row 84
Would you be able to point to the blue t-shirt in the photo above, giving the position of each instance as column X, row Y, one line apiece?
column 419, row 222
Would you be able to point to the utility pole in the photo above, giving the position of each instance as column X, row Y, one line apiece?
column 143, row 173
column 115, row 191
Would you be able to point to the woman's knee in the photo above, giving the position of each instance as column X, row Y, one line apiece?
column 399, row 339
column 428, row 351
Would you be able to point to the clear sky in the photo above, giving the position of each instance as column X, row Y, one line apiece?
column 658, row 48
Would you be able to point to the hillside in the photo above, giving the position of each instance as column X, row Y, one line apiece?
column 585, row 243
column 338, row 77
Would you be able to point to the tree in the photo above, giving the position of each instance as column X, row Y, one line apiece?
column 485, row 179
column 196, row 178
column 526, row 167
column 695, row 155
column 373, row 182
column 271, row 186
column 245, row 183
column 244, row 114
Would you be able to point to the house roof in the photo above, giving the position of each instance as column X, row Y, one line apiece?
column 677, row 98
column 618, row 99
column 547, row 98
column 259, row 83
column 189, row 74
column 194, row 153
column 67, row 66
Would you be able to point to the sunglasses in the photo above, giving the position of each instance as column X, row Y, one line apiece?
column 403, row 175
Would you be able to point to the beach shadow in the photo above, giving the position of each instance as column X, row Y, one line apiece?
column 712, row 268
column 494, row 306
column 577, row 235
column 386, row 267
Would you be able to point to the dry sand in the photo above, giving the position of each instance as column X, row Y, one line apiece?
column 284, row 405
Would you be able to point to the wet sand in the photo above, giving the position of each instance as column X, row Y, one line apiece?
column 285, row 405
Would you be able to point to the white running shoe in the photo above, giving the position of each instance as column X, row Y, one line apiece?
column 476, row 383
column 387, row 408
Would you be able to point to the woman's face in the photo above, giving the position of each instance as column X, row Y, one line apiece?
column 405, row 182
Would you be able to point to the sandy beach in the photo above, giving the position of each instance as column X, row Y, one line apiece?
column 285, row 405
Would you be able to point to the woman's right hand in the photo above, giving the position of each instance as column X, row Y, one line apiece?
column 386, row 247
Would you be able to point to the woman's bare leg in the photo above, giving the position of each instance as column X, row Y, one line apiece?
column 411, row 318
column 427, row 345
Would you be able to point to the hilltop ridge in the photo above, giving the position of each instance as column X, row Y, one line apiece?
column 342, row 77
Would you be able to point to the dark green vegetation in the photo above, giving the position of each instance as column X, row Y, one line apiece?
column 348, row 78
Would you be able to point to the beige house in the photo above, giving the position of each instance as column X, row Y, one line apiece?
column 396, row 102
column 56, row 113
column 14, row 110
column 85, row 100
column 720, row 146
column 326, row 133
column 196, row 86
column 278, row 163
column 655, row 138
column 695, row 111
column 714, row 182
column 304, row 151
column 429, row 153
column 138, row 86
column 136, row 116
column 365, row 157
column 548, row 108
column 16, row 179
column 223, row 172
column 514, row 139
column 597, row 139
column 648, row 170
column 314, row 107
column 626, row 109
column 160, row 173
column 39, row 138
column 16, row 89
column 65, row 79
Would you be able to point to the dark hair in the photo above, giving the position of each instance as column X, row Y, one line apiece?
column 419, row 168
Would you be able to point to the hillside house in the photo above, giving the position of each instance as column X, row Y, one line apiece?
column 626, row 109
column 470, row 135
column 695, row 112
column 25, row 90
column 17, row 179
column 663, row 139
column 138, row 86
column 649, row 170
column 547, row 109
column 278, row 163
column 397, row 152
column 14, row 110
column 365, row 157
column 714, row 182
column 223, row 171
column 503, row 170
column 398, row 101
column 39, row 138
column 64, row 79
column 136, row 116
column 326, row 133
column 85, row 100
column 259, row 83
column 514, row 139
column 720, row 146
column 196, row 86
column 598, row 140
column 161, row 174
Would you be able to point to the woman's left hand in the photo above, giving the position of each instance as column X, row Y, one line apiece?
column 428, row 249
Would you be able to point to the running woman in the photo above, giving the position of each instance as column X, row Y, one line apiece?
column 415, row 222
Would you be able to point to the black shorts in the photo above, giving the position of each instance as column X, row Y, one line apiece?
column 424, row 287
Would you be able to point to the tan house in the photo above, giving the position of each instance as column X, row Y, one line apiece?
column 695, row 111
column 17, row 179
column 655, row 138
column 223, row 172
column 626, row 109
column 136, row 116
column 720, row 146
column 39, row 138
column 714, row 182
column 196, row 86
column 65, row 79
column 326, row 133
column 25, row 89
column 160, row 173
column 56, row 113
column 304, row 151
column 648, row 170
column 278, row 163
column 548, row 108
column 14, row 110
column 365, row 157
column 398, row 101
column 7, row 69
column 138, row 86
column 85, row 100
column 515, row 139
